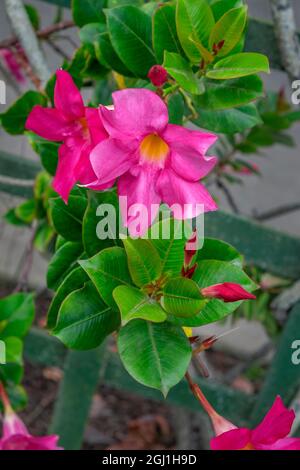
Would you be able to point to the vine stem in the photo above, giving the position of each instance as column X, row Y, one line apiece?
column 26, row 36
column 41, row 34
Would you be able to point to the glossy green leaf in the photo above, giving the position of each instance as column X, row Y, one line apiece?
column 218, row 250
column 169, row 237
column 134, row 304
column 229, row 121
column 88, row 11
column 229, row 28
column 220, row 7
column 73, row 281
column 62, row 263
column 14, row 118
column 144, row 262
column 107, row 270
column 33, row 16
column 239, row 65
column 182, row 298
column 155, row 354
column 12, row 370
column 164, row 32
column 210, row 272
column 226, row 94
column 130, row 34
column 100, row 222
column 193, row 18
column 84, row 320
column 182, row 72
column 176, row 109
column 90, row 32
column 107, row 56
column 67, row 218
column 16, row 315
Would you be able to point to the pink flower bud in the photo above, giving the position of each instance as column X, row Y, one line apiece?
column 158, row 75
column 228, row 292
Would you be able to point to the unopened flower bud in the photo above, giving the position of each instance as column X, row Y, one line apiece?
column 158, row 75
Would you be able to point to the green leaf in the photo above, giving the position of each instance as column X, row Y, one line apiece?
column 239, row 65
column 182, row 298
column 229, row 28
column 11, row 217
column 12, row 371
column 143, row 261
column 16, row 314
column 182, row 72
column 89, row 33
column 134, row 304
column 218, row 250
column 33, row 16
column 230, row 93
column 164, row 32
column 43, row 237
column 26, row 211
column 229, row 121
column 221, row 7
column 130, row 33
column 73, row 281
column 210, row 272
column 176, row 109
column 84, row 320
column 88, row 11
column 14, row 118
column 107, row 56
column 96, row 223
column 48, row 152
column 155, row 354
column 169, row 238
column 193, row 18
column 107, row 270
column 67, row 218
column 62, row 263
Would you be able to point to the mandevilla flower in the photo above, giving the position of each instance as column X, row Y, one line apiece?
column 15, row 434
column 227, row 291
column 270, row 434
column 78, row 127
column 154, row 161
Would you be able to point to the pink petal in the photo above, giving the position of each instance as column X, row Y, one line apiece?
column 21, row 442
column 227, row 291
column 96, row 128
column 237, row 439
column 48, row 123
column 110, row 159
column 136, row 190
column 66, row 177
column 12, row 424
column 137, row 112
column 13, row 65
column 191, row 198
column 189, row 164
column 197, row 140
column 288, row 443
column 67, row 97
column 276, row 425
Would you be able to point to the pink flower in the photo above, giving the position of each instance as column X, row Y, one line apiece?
column 158, row 75
column 15, row 434
column 78, row 127
column 12, row 65
column 270, row 434
column 227, row 291
column 154, row 161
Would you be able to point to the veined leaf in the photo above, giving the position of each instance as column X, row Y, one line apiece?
column 143, row 261
column 182, row 298
column 182, row 72
column 229, row 29
column 239, row 65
